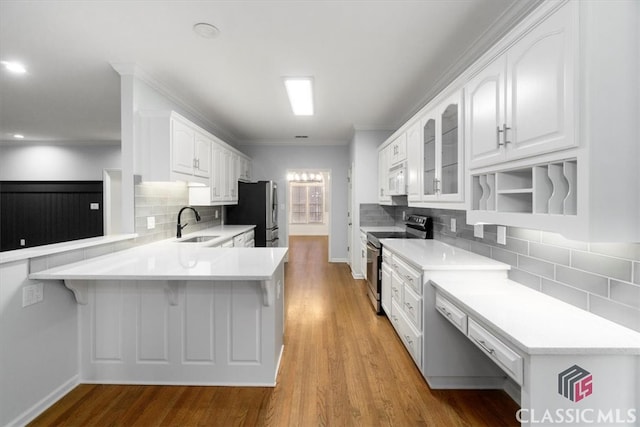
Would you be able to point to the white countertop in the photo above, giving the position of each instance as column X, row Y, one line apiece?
column 222, row 233
column 367, row 229
column 37, row 251
column 170, row 260
column 538, row 323
column 431, row 254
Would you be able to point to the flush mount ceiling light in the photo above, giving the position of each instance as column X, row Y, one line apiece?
column 300, row 91
column 206, row 31
column 14, row 67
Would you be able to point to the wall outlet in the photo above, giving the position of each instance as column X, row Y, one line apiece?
column 404, row 215
column 32, row 294
column 453, row 225
column 151, row 222
column 478, row 231
column 502, row 235
column 216, row 214
column 23, row 242
column 94, row 206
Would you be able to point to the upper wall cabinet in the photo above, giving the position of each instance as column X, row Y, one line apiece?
column 436, row 155
column 522, row 103
column 384, row 197
column 443, row 152
column 172, row 149
column 552, row 124
column 398, row 150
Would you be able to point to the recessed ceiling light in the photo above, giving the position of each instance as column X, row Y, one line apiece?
column 14, row 67
column 300, row 91
column 18, row 136
column 206, row 31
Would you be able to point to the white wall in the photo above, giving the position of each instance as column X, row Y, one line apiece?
column 271, row 162
column 363, row 153
column 57, row 162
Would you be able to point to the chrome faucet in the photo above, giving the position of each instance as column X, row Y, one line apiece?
column 180, row 227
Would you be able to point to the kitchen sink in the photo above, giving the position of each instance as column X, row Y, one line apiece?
column 197, row 239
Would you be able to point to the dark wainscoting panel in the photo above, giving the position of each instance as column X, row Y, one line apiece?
column 41, row 213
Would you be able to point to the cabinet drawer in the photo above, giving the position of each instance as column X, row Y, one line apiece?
column 411, row 338
column 227, row 244
column 396, row 288
column 249, row 235
column 410, row 275
column 412, row 306
column 501, row 353
column 238, row 241
column 452, row 313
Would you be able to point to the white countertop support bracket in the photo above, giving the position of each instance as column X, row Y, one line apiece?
column 79, row 289
column 267, row 292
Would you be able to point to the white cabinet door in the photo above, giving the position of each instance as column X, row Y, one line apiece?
column 202, row 156
column 385, row 298
column 522, row 103
column 383, row 176
column 217, row 173
column 540, row 89
column 182, row 143
column 363, row 254
column 450, row 155
column 398, row 150
column 414, row 165
column 234, row 175
column 485, row 114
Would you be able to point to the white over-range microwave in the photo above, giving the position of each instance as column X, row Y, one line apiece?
column 397, row 179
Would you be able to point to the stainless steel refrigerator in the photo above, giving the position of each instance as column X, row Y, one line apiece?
column 257, row 205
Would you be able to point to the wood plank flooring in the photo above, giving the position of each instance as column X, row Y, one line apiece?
column 342, row 366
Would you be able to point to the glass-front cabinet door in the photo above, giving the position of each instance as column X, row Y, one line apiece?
column 449, row 150
column 443, row 152
column 429, row 181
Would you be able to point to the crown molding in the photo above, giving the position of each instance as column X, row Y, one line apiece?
column 133, row 70
column 515, row 13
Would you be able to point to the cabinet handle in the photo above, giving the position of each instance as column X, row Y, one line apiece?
column 445, row 311
column 484, row 345
column 409, row 278
column 498, row 132
column 408, row 338
column 409, row 306
column 505, row 129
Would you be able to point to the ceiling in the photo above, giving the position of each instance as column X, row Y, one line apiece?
column 374, row 63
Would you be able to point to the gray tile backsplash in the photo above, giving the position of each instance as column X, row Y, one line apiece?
column 603, row 278
column 163, row 200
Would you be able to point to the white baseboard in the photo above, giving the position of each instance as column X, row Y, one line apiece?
column 513, row 390
column 342, row 260
column 489, row 383
column 357, row 276
column 41, row 406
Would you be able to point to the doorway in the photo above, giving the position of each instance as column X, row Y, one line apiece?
column 308, row 202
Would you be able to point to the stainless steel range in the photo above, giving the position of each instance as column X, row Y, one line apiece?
column 416, row 227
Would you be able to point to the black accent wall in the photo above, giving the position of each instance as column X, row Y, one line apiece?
column 48, row 212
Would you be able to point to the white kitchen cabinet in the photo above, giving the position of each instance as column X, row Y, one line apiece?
column 172, row 149
column 522, row 103
column 414, row 162
column 244, row 168
column 570, row 163
column 443, row 161
column 383, row 176
column 398, row 150
column 363, row 254
column 385, row 297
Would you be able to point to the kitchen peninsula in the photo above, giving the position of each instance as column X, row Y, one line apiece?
column 179, row 313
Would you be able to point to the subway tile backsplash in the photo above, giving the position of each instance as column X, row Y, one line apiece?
column 163, row 200
column 603, row 278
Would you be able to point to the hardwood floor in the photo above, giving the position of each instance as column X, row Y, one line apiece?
column 342, row 366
